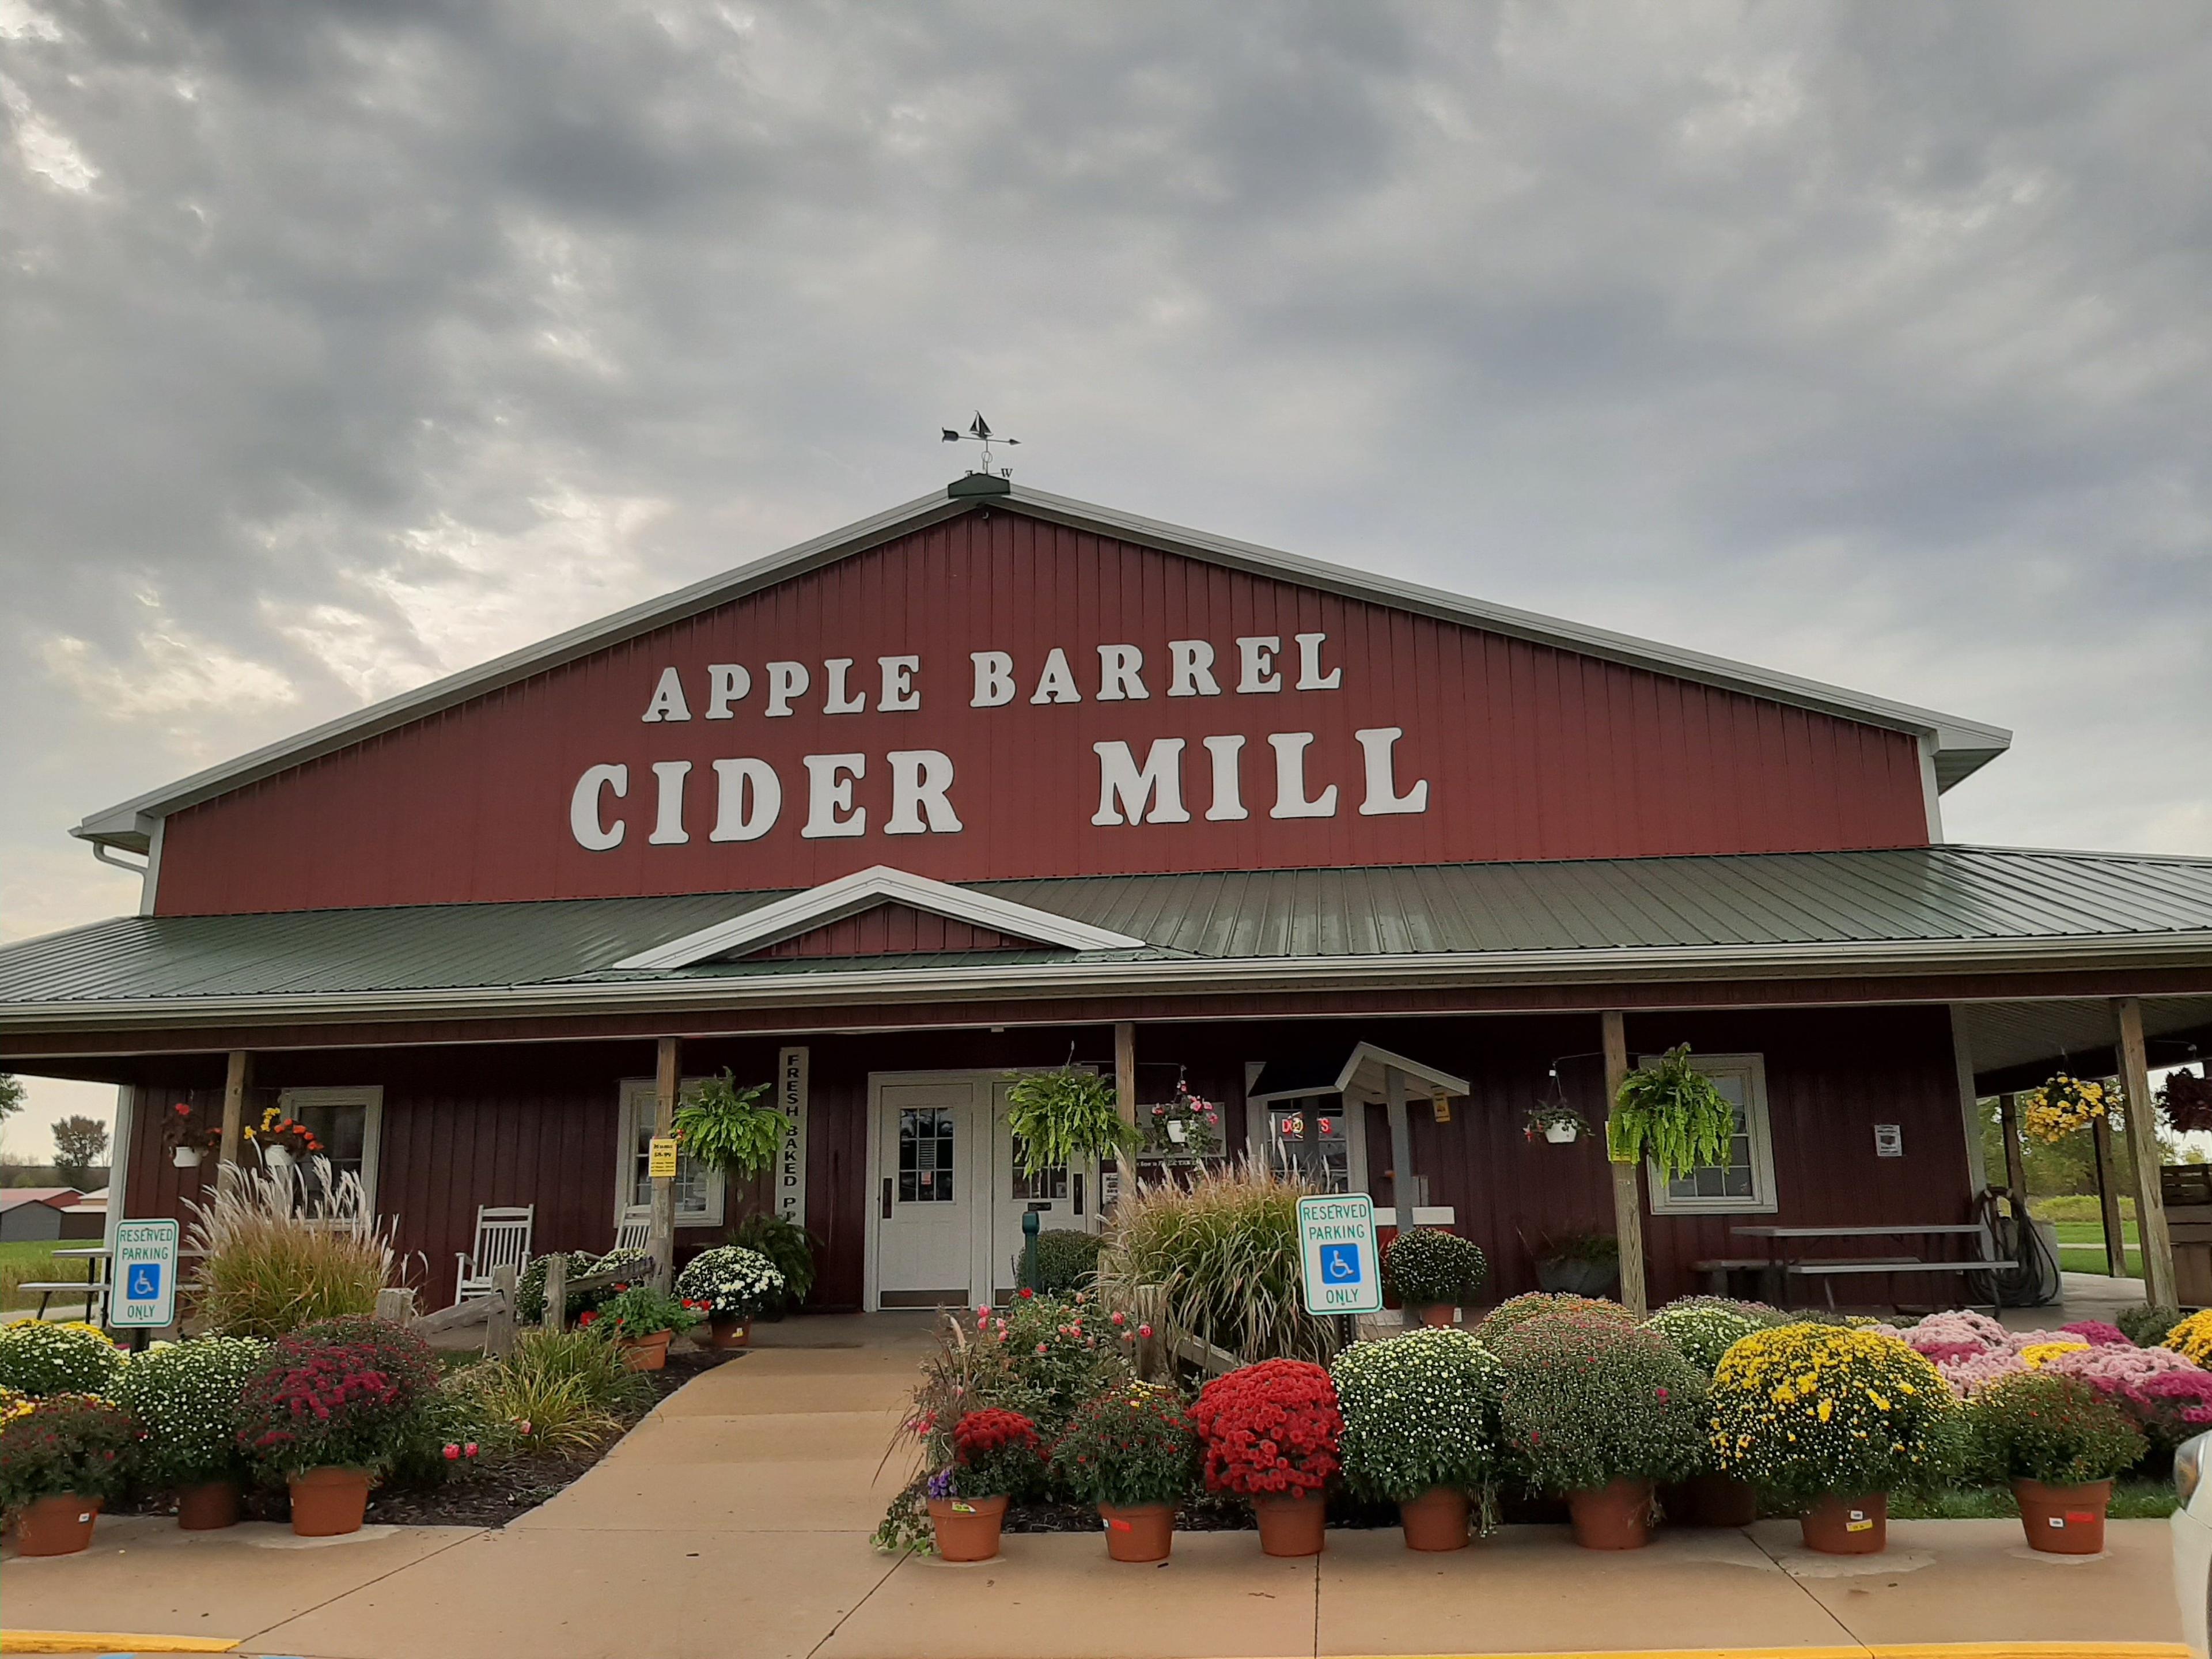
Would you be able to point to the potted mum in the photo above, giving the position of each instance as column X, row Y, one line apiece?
column 735, row 1286
column 642, row 1322
column 184, row 1396
column 60, row 1459
column 2059, row 1441
column 1599, row 1411
column 1830, row 1420
column 1578, row 1263
column 1704, row 1329
column 1432, row 1271
column 1420, row 1429
column 188, row 1136
column 995, row 1453
column 37, row 1358
column 1133, row 1452
column 1271, row 1433
column 330, row 1408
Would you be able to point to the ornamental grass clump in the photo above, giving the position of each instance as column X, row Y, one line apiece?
column 337, row 1396
column 564, row 1392
column 184, row 1397
column 732, row 1282
column 1807, row 1412
column 1587, row 1401
column 2057, row 1430
column 1531, row 1304
column 1428, row 1267
column 269, row 1267
column 1226, row 1251
column 1704, row 1332
column 40, row 1359
column 1420, row 1412
column 1131, row 1445
column 72, row 1444
column 1270, row 1430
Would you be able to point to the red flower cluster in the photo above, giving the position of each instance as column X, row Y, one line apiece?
column 979, row 1434
column 335, row 1393
column 1270, row 1429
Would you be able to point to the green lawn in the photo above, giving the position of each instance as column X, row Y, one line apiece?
column 2081, row 1247
column 31, row 1259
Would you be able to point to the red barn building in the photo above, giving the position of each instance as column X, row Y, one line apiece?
column 996, row 778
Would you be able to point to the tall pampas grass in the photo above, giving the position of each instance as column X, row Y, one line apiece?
column 1225, row 1250
column 269, row 1265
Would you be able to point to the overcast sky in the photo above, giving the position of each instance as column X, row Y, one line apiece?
column 344, row 345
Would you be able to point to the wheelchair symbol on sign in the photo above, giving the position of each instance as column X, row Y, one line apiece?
column 142, row 1282
column 1340, row 1264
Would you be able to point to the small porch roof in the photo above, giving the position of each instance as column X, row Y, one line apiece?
column 1361, row 1075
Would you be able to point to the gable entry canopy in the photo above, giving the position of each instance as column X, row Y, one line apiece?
column 1371, row 1076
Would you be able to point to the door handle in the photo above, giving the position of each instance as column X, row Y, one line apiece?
column 887, row 1198
column 1079, row 1192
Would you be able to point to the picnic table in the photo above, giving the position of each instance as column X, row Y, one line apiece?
column 93, row 1287
column 1782, row 1264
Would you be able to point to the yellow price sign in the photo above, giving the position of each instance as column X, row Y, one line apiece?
column 662, row 1166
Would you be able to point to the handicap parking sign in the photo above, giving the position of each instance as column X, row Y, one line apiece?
column 144, row 1282
column 1340, row 1264
column 145, row 1295
column 1336, row 1247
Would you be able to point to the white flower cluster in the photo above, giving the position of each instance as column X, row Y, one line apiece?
column 731, row 1279
column 185, row 1396
column 1420, row 1411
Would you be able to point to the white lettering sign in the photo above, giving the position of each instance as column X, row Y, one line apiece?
column 1343, row 1268
column 145, row 1294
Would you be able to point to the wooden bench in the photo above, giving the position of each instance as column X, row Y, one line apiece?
column 49, row 1288
column 1828, row 1272
column 1769, row 1272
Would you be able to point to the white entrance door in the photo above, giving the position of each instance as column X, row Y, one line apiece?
column 950, row 1196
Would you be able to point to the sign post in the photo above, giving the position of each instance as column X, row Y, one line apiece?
column 1343, row 1267
column 143, row 1296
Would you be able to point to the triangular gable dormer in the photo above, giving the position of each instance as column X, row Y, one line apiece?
column 811, row 923
column 889, row 930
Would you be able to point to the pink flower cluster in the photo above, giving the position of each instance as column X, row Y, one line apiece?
column 2098, row 1334
column 2168, row 1395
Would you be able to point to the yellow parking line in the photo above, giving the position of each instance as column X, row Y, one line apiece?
column 108, row 1641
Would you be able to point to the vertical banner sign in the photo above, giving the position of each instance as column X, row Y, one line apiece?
column 1343, row 1268
column 145, row 1294
column 790, row 1167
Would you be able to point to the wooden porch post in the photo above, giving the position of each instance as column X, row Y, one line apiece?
column 1627, row 1189
column 1125, row 1071
column 2108, row 1201
column 2142, row 1143
column 237, row 1078
column 2014, row 1153
column 663, row 1244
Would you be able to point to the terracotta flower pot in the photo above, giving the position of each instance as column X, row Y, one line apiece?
column 208, row 1507
column 326, row 1503
column 61, row 1525
column 1714, row 1500
column 1138, row 1532
column 727, row 1331
column 1437, row 1315
column 1437, row 1520
column 647, row 1353
column 2064, row 1520
column 1292, row 1526
column 967, row 1527
column 1614, row 1516
column 1847, row 1525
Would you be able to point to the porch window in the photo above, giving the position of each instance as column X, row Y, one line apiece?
column 350, row 1122
column 1308, row 1137
column 698, row 1189
column 1744, row 1184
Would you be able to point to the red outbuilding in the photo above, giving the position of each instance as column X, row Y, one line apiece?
column 996, row 780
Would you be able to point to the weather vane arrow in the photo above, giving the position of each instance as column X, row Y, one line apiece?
column 979, row 431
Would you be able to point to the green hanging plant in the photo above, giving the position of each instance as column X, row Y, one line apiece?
column 1064, row 1116
column 727, row 1129
column 1671, row 1111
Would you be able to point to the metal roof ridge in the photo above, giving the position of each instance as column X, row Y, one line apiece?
column 129, row 821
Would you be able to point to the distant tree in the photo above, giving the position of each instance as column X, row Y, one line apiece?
column 79, row 1143
column 11, row 1096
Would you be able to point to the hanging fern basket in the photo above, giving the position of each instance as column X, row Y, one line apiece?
column 1065, row 1116
column 1671, row 1113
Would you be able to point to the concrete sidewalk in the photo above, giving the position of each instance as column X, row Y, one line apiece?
column 735, row 1520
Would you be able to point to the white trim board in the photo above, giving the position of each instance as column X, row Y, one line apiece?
column 864, row 890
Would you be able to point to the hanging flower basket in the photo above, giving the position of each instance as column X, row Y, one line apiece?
column 2186, row 1100
column 188, row 1136
column 1671, row 1113
column 1560, row 1124
column 1182, row 1128
column 1065, row 1116
column 2064, row 1106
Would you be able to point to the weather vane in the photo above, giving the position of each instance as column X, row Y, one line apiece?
column 979, row 431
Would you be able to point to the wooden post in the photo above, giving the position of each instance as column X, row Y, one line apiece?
column 2015, row 1155
column 236, row 1080
column 1150, row 1313
column 1405, row 1185
column 2108, row 1201
column 556, row 1291
column 663, row 1242
column 1627, row 1188
column 1125, row 1071
column 2142, row 1144
column 499, row 1324
column 395, row 1306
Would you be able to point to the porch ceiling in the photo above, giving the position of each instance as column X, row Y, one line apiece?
column 2013, row 1045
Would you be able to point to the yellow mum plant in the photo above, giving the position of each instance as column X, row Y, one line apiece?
column 2036, row 1355
column 2192, row 1339
column 1808, row 1411
column 2064, row 1106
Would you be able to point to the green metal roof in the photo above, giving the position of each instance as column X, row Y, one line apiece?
column 1893, row 910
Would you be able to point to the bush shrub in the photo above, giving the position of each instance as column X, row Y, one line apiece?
column 342, row 1400
column 185, row 1396
column 1807, row 1411
column 1270, row 1429
column 732, row 1282
column 565, row 1392
column 639, row 1311
column 1065, row 1260
column 1420, row 1411
column 1704, row 1332
column 1132, row 1444
column 40, row 1359
column 995, row 1453
column 785, row 1244
column 73, row 1443
column 530, row 1287
column 1587, row 1399
column 1529, row 1304
column 2148, row 1325
column 267, row 1268
column 1426, row 1267
column 1226, row 1250
column 2055, row 1429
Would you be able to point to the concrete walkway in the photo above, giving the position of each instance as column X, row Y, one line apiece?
column 735, row 1520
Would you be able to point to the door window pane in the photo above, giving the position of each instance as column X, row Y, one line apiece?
column 1309, row 1139
column 1047, row 1184
column 925, row 1155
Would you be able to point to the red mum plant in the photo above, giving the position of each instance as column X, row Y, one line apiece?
column 1270, row 1430
column 995, row 1453
column 346, row 1393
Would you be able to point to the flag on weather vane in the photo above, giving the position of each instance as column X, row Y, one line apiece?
column 979, row 431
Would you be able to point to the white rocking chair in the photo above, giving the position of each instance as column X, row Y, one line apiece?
column 502, row 1240
column 634, row 1232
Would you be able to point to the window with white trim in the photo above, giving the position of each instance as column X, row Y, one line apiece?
column 698, row 1189
column 349, row 1123
column 1744, row 1185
